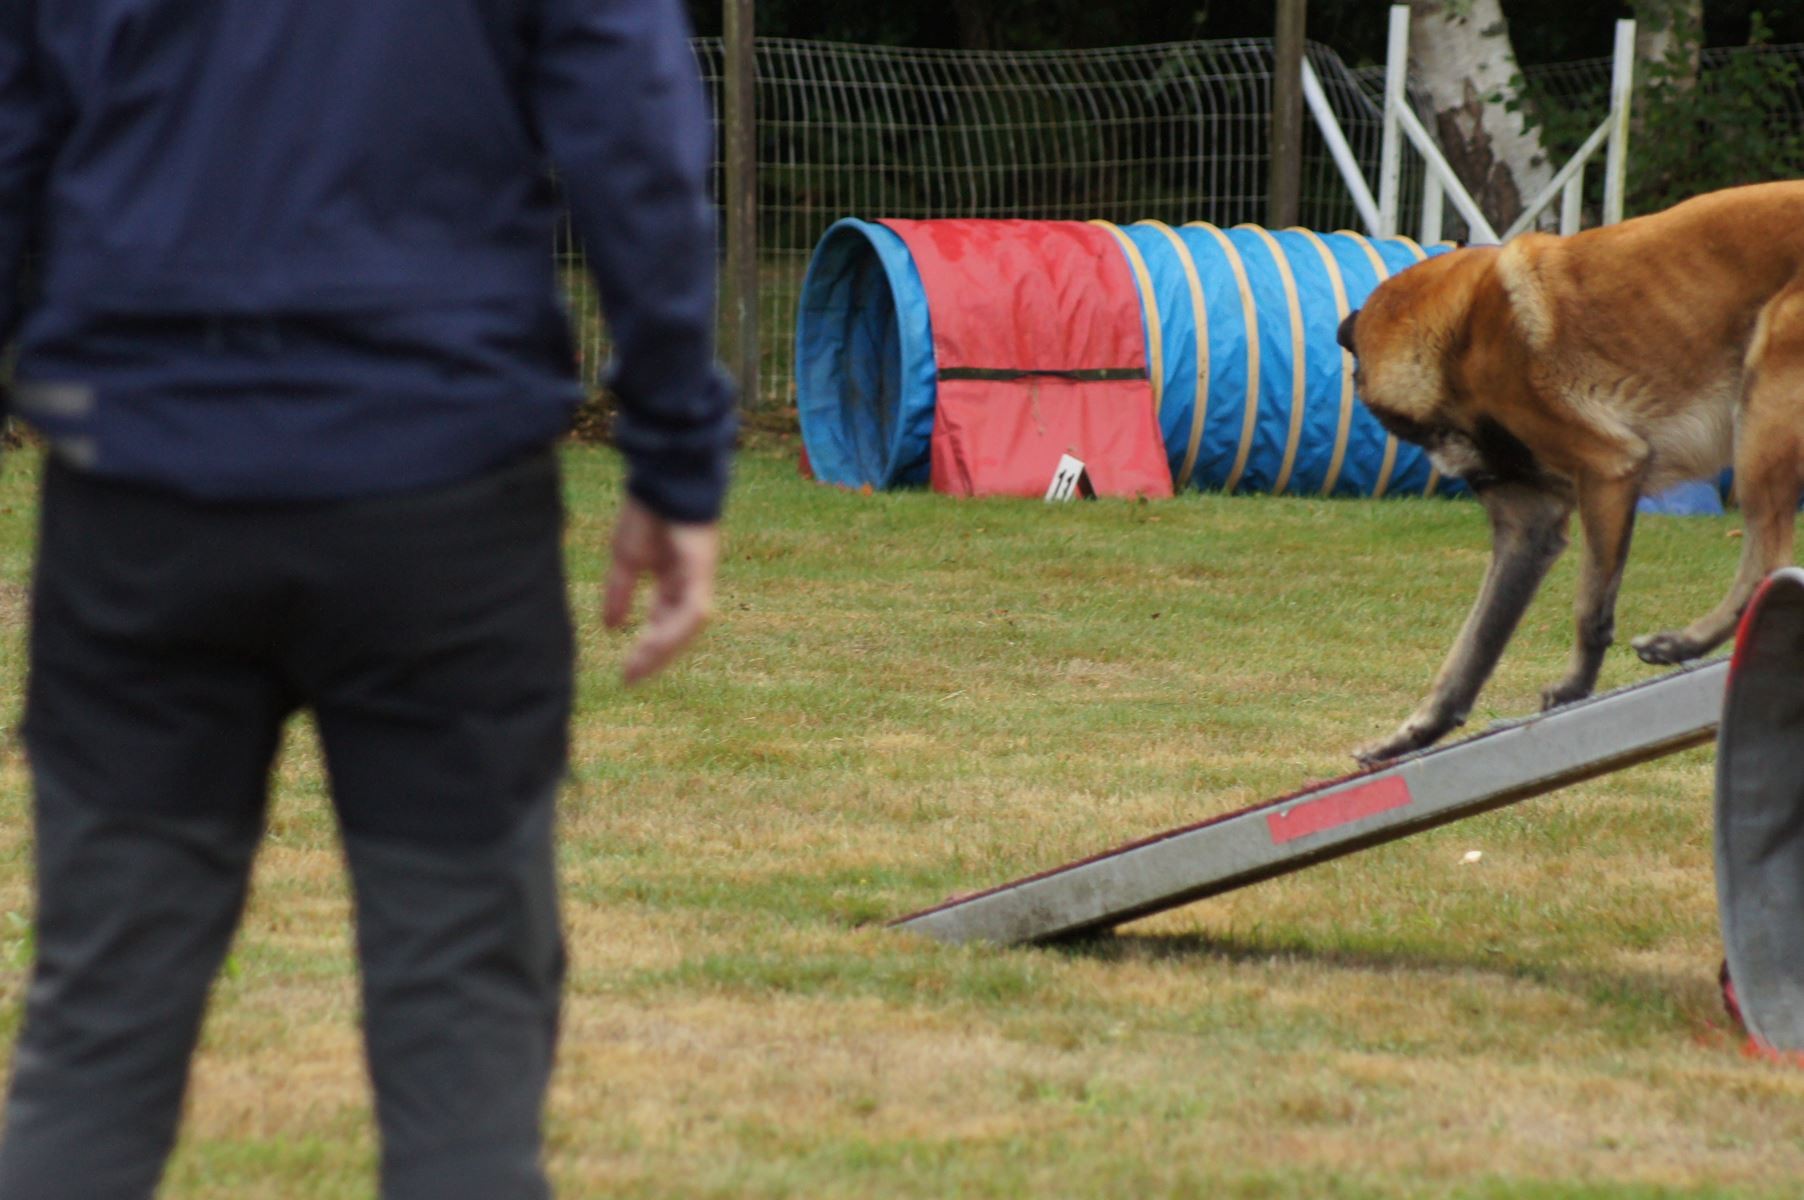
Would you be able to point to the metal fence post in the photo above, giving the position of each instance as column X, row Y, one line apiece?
column 1434, row 207
column 1622, row 98
column 740, row 293
column 1396, row 95
column 1285, row 186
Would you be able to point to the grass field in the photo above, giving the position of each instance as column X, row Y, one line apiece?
column 907, row 696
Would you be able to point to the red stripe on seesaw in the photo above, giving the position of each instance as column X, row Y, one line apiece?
column 1342, row 808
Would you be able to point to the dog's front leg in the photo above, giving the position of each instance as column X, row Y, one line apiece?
column 1528, row 532
column 1607, row 515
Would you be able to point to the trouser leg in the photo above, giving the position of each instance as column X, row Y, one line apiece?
column 134, row 917
column 434, row 646
column 463, row 965
column 150, row 727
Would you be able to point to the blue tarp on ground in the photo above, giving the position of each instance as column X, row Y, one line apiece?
column 1700, row 498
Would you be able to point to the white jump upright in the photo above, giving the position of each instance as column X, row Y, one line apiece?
column 1504, row 764
column 1440, row 186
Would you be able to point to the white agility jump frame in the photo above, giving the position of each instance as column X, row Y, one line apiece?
column 1439, row 184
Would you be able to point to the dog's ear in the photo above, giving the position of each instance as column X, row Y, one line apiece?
column 1506, row 334
column 1429, row 302
column 1410, row 328
column 1345, row 334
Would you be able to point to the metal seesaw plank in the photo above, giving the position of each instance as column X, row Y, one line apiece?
column 1506, row 763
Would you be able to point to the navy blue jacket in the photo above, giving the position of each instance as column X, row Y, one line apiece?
column 295, row 249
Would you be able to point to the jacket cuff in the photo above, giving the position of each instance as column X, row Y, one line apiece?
column 686, row 487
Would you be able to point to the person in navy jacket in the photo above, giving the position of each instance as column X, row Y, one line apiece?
column 279, row 276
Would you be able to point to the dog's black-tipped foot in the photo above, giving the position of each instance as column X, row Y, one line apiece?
column 1373, row 753
column 1411, row 736
column 1666, row 649
column 1563, row 692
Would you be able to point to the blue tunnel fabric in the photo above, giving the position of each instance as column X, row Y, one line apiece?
column 1257, row 394
column 865, row 374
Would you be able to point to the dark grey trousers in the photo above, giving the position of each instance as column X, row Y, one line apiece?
column 429, row 636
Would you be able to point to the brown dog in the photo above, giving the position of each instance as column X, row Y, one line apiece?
column 1586, row 371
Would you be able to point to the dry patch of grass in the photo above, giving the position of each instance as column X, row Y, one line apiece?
column 908, row 697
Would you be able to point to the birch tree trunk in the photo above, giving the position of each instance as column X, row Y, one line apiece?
column 1662, row 27
column 1466, row 69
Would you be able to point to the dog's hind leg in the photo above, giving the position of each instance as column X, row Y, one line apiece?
column 1769, row 477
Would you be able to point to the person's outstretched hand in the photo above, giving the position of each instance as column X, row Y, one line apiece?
column 680, row 560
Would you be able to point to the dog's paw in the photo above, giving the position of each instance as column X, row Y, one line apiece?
column 1665, row 649
column 1408, row 738
column 1374, row 753
column 1563, row 692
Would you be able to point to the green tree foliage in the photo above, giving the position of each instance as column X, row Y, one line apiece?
column 1734, row 124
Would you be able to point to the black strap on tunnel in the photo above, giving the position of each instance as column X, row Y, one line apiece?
column 1010, row 374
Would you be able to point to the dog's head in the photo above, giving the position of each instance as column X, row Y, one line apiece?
column 1410, row 343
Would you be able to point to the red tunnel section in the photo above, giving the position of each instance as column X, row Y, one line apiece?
column 1041, row 353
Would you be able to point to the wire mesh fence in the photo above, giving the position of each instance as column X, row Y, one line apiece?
column 1174, row 132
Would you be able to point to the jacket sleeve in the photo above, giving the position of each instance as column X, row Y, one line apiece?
column 27, row 141
column 619, row 103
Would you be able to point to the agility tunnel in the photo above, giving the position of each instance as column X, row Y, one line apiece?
column 1223, row 340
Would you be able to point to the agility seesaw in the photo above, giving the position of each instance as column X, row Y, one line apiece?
column 1508, row 762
